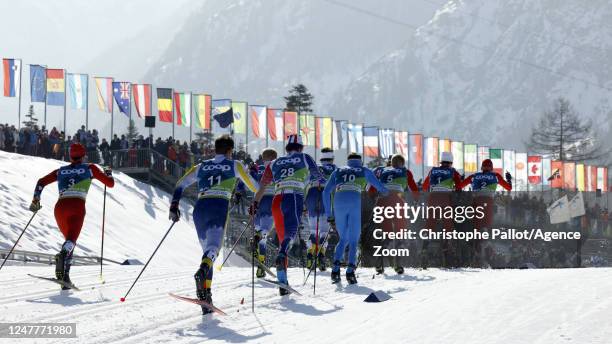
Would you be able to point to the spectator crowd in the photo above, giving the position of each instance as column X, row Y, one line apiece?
column 119, row 152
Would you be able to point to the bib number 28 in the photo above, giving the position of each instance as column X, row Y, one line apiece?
column 287, row 172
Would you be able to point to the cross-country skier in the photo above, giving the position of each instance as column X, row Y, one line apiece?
column 289, row 174
column 439, row 183
column 316, row 211
column 443, row 178
column 486, row 181
column 216, row 178
column 484, row 184
column 344, row 211
column 397, row 178
column 73, row 181
column 263, row 218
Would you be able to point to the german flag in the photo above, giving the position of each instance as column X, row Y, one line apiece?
column 164, row 104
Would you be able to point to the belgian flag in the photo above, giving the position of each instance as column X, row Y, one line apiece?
column 164, row 104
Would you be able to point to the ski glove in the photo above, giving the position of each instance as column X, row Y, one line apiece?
column 253, row 208
column 108, row 172
column 509, row 178
column 175, row 213
column 35, row 205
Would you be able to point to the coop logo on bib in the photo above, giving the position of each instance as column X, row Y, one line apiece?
column 216, row 167
column 73, row 171
column 289, row 161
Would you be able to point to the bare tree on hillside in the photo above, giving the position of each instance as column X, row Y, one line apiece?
column 563, row 135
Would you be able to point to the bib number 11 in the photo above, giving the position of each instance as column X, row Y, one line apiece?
column 214, row 180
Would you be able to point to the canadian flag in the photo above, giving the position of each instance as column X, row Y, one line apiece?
column 534, row 169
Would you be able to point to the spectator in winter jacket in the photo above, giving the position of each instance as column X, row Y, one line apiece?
column 115, row 144
column 105, row 149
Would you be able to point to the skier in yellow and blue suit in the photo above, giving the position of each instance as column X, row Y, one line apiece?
column 216, row 180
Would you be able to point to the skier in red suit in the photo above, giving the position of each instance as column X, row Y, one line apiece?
column 73, row 181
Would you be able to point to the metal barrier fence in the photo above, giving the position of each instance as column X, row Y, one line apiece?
column 46, row 258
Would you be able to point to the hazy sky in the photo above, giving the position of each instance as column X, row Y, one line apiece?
column 116, row 38
column 71, row 33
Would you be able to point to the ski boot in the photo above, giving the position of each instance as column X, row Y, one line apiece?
column 380, row 270
column 281, row 273
column 399, row 270
column 261, row 273
column 350, row 274
column 203, row 284
column 63, row 261
column 335, row 274
column 322, row 262
column 60, row 261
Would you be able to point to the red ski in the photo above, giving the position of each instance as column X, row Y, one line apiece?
column 199, row 302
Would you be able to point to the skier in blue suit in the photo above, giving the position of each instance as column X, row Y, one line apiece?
column 344, row 212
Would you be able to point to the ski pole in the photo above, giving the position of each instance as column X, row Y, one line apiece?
column 322, row 244
column 316, row 256
column 102, row 248
column 148, row 261
column 301, row 251
column 236, row 243
column 19, row 238
column 253, row 270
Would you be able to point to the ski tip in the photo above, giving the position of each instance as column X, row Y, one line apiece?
column 122, row 299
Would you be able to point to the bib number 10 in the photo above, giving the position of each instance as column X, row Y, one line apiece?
column 348, row 178
column 287, row 172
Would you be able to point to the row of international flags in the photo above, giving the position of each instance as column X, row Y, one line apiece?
column 56, row 86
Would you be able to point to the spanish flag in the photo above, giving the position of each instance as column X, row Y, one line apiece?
column 164, row 104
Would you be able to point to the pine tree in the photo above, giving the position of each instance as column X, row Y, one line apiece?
column 563, row 135
column 299, row 99
column 132, row 132
column 32, row 120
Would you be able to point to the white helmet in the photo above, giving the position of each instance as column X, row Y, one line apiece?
column 446, row 156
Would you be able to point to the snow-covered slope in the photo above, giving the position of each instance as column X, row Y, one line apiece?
column 432, row 306
column 136, row 217
column 481, row 68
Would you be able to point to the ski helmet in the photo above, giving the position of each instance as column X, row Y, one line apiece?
column 77, row 151
column 487, row 163
column 446, row 157
column 294, row 143
column 295, row 139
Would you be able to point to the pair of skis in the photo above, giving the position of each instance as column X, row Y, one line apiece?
column 221, row 312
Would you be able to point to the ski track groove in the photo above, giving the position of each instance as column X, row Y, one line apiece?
column 152, row 331
column 84, row 287
column 111, row 304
